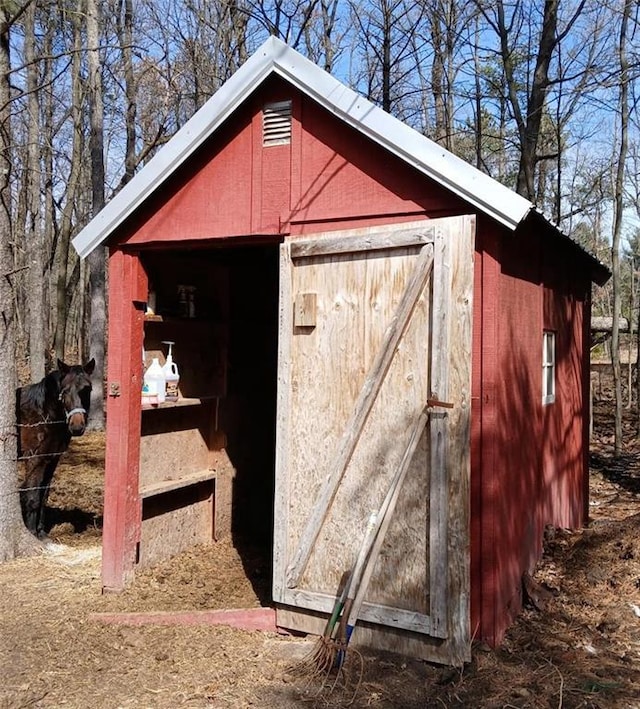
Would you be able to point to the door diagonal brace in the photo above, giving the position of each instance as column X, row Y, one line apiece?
column 363, row 406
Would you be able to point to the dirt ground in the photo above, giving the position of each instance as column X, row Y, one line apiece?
column 581, row 650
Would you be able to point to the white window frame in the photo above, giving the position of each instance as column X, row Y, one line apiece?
column 548, row 367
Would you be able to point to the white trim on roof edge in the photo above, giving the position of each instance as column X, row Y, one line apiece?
column 275, row 56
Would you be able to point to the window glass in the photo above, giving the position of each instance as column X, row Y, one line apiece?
column 548, row 367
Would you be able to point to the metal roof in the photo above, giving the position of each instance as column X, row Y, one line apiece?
column 275, row 57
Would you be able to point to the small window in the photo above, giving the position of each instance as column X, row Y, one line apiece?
column 276, row 123
column 548, row 367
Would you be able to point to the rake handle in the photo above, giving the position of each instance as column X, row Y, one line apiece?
column 384, row 519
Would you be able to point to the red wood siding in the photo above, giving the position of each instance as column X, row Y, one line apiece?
column 505, row 469
column 518, row 435
column 210, row 197
column 485, row 378
column 330, row 177
column 528, row 461
column 121, row 532
column 271, row 186
column 344, row 176
column 565, row 422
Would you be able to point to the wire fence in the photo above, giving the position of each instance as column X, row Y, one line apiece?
column 32, row 453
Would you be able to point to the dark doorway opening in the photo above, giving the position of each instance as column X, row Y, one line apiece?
column 237, row 289
column 248, row 412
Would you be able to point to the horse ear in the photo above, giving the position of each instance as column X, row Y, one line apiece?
column 64, row 368
column 90, row 366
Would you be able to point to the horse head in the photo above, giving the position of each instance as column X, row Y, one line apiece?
column 75, row 394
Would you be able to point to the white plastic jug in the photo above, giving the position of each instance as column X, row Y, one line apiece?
column 154, row 384
column 171, row 375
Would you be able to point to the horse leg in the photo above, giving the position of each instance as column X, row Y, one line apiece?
column 30, row 494
column 47, row 477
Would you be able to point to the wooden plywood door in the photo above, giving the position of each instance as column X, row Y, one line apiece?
column 374, row 324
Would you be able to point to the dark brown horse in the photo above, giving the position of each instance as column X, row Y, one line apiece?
column 49, row 413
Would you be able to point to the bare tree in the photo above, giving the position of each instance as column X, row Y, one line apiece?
column 97, row 259
column 617, row 218
column 62, row 255
column 528, row 119
column 34, row 232
column 48, row 200
column 14, row 538
column 124, row 25
column 444, row 20
column 323, row 35
column 492, row 136
column 286, row 19
column 385, row 42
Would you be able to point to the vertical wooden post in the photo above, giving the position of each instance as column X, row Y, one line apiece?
column 122, row 510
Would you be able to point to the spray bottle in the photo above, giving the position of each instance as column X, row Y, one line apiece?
column 171, row 374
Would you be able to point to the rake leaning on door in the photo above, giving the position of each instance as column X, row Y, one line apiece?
column 322, row 658
column 330, row 651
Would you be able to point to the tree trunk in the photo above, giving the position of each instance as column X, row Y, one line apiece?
column 386, row 58
column 14, row 538
column 66, row 222
column 527, row 123
column 617, row 222
column 635, row 264
column 125, row 37
column 477, row 101
column 38, row 324
column 437, row 78
column 530, row 131
column 443, row 19
column 97, row 261
column 328, row 12
column 49, row 218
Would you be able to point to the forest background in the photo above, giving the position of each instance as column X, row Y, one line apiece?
column 540, row 94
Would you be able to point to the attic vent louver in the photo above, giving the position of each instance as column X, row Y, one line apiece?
column 276, row 123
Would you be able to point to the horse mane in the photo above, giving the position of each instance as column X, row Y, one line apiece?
column 38, row 398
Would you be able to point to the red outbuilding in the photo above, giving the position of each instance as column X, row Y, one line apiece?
column 359, row 316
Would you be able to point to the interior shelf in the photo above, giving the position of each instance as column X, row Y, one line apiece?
column 183, row 481
column 173, row 319
column 179, row 402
